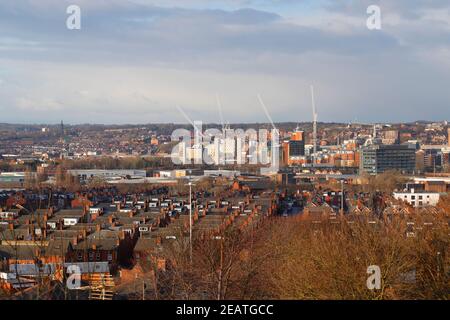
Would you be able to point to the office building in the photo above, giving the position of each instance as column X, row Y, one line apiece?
column 296, row 148
column 377, row 159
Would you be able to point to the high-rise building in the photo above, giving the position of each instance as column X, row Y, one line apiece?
column 380, row 158
column 62, row 129
column 297, row 135
column 390, row 136
column 297, row 144
column 420, row 161
column 296, row 148
column 285, row 153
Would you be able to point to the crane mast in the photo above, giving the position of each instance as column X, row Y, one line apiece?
column 314, row 126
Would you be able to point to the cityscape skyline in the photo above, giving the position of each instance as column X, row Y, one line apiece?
column 223, row 156
column 135, row 60
column 217, row 123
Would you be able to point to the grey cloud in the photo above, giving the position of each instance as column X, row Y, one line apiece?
column 149, row 33
column 188, row 53
column 410, row 9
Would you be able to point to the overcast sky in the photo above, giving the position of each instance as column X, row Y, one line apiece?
column 135, row 61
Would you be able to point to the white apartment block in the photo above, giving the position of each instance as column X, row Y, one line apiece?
column 418, row 199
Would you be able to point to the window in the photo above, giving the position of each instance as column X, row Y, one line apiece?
column 80, row 256
column 98, row 256
column 91, row 256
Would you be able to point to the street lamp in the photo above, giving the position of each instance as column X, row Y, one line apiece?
column 219, row 283
column 190, row 215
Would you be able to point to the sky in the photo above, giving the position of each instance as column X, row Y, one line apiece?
column 135, row 61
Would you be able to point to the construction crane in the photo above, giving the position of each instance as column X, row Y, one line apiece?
column 314, row 126
column 275, row 146
column 219, row 105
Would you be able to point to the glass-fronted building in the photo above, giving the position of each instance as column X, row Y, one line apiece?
column 296, row 148
column 380, row 158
